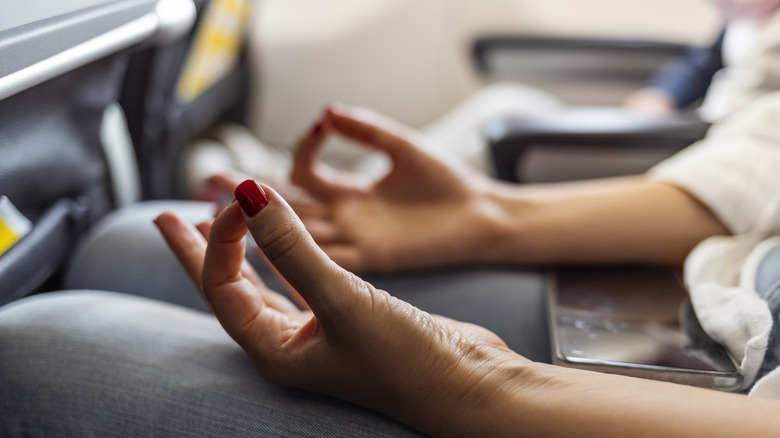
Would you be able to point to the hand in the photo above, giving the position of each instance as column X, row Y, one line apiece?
column 650, row 101
column 188, row 243
column 423, row 213
column 360, row 344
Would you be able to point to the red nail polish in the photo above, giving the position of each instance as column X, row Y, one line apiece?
column 251, row 197
column 317, row 130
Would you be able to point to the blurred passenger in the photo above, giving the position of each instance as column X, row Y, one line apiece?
column 742, row 64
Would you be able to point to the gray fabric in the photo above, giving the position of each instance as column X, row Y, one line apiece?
column 125, row 253
column 86, row 364
column 768, row 288
column 511, row 303
column 110, row 364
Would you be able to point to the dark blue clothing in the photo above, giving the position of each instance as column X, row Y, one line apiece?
column 687, row 78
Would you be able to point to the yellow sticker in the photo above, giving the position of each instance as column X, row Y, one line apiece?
column 13, row 225
column 216, row 48
column 7, row 237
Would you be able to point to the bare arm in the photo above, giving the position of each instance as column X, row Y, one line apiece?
column 544, row 400
column 633, row 219
column 427, row 213
column 442, row 377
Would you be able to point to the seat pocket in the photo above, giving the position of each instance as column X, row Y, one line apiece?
column 27, row 265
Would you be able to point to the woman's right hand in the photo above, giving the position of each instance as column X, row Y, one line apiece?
column 357, row 343
column 424, row 213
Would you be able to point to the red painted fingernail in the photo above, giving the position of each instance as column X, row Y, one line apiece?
column 251, row 197
column 317, row 130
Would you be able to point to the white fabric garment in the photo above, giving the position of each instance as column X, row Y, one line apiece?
column 751, row 66
column 735, row 171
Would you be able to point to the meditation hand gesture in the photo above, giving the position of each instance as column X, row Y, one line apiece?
column 357, row 343
column 424, row 213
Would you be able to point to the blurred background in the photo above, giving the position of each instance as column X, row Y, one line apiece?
column 412, row 60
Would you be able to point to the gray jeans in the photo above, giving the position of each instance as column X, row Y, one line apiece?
column 768, row 288
column 150, row 362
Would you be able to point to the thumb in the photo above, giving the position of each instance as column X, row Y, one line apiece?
column 283, row 239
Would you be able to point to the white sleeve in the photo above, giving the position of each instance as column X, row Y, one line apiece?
column 768, row 386
column 735, row 170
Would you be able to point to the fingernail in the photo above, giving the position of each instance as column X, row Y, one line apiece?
column 251, row 197
column 317, row 129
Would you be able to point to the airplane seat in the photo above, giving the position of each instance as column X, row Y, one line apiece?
column 593, row 136
column 61, row 68
column 574, row 143
column 174, row 96
column 175, row 92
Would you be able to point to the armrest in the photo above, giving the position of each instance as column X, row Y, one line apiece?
column 586, row 142
column 486, row 47
column 577, row 71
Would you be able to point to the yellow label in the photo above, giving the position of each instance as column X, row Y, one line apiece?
column 216, row 48
column 13, row 225
column 7, row 236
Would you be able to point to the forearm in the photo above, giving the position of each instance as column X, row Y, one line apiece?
column 633, row 219
column 544, row 400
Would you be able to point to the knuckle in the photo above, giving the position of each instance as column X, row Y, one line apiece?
column 280, row 242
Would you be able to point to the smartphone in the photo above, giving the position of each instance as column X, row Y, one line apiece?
column 635, row 321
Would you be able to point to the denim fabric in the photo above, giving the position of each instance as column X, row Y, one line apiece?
column 768, row 287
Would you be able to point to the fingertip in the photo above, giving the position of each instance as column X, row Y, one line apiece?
column 335, row 107
column 251, row 197
column 168, row 221
column 162, row 218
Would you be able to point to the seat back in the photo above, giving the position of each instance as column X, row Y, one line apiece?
column 176, row 92
column 52, row 101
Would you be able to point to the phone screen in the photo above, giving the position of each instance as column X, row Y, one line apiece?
column 635, row 321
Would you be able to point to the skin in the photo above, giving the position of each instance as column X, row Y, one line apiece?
column 462, row 217
column 651, row 101
column 440, row 376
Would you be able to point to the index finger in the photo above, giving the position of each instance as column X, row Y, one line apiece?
column 372, row 130
column 186, row 242
column 236, row 302
column 316, row 178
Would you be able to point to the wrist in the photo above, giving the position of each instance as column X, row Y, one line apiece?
column 503, row 216
column 485, row 398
